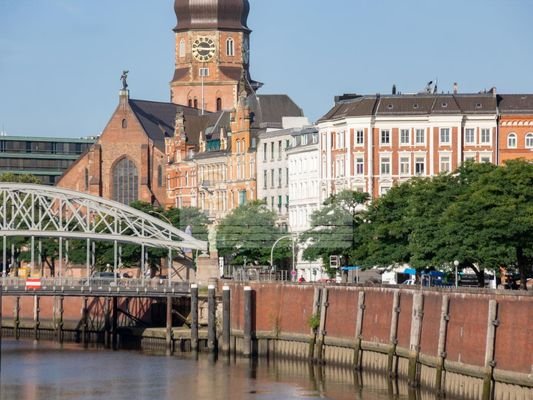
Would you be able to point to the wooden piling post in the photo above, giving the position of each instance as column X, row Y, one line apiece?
column 319, row 353
column 441, row 349
column 16, row 322
column 84, row 322
column 194, row 317
column 226, row 319
column 168, row 336
column 358, row 331
column 60, row 322
column 107, row 322
column 36, row 321
column 247, row 345
column 211, row 319
column 413, row 378
column 114, row 325
column 314, row 328
column 492, row 323
column 393, row 337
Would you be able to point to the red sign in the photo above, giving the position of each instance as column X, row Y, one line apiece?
column 33, row 283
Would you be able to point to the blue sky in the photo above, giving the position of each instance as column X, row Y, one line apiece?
column 61, row 60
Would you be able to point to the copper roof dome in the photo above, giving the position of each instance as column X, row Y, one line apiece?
column 212, row 14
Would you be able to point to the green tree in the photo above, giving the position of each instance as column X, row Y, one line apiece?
column 249, row 231
column 23, row 178
column 334, row 227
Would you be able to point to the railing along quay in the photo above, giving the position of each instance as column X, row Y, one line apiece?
column 120, row 287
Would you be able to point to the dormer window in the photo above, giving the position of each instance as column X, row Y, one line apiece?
column 415, row 106
column 479, row 105
column 444, row 105
column 390, row 106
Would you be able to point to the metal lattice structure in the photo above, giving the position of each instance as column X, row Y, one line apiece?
column 50, row 212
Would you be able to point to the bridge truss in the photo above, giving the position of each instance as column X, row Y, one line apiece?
column 37, row 211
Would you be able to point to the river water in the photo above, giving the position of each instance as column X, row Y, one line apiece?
column 49, row 371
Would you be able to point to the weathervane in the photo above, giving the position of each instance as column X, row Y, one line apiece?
column 124, row 79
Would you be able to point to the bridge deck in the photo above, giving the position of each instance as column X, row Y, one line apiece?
column 93, row 287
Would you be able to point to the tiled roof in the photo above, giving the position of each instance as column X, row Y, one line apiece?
column 516, row 103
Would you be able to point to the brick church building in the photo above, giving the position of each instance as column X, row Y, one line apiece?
column 199, row 148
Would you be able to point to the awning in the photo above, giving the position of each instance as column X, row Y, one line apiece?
column 410, row 271
column 350, row 268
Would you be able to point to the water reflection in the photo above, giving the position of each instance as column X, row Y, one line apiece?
column 51, row 371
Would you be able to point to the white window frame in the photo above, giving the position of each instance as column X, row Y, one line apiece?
column 423, row 164
column 512, row 137
column 359, row 137
column 529, row 140
column 423, row 131
column 405, row 161
column 442, row 159
column 382, row 164
column 359, row 162
column 449, row 139
column 402, row 142
column 381, row 136
column 487, row 140
column 203, row 72
column 473, row 132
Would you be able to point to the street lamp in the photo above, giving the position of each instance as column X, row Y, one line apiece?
column 274, row 245
column 169, row 250
column 456, row 264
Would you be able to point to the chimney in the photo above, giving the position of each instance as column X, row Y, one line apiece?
column 455, row 88
column 493, row 91
column 394, row 89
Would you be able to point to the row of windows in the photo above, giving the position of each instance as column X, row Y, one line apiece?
column 193, row 103
column 8, row 146
column 512, row 140
column 279, row 205
column 276, row 151
column 273, row 181
column 416, row 136
column 230, row 48
column 33, row 164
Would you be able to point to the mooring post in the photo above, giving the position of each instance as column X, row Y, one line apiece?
column 247, row 345
column 314, row 323
column 114, row 325
column 60, row 322
column 226, row 319
column 168, row 335
column 358, row 331
column 441, row 348
column 36, row 322
column 16, row 321
column 393, row 338
column 414, row 348
column 211, row 319
column 107, row 322
column 84, row 321
column 194, row 317
column 490, row 363
column 322, row 327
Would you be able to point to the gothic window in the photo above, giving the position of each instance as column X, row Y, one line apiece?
column 190, row 103
column 195, row 103
column 124, row 123
column 160, row 176
column 219, row 104
column 125, row 182
column 86, row 179
column 230, row 47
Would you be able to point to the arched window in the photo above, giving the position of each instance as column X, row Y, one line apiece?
column 182, row 48
column 195, row 103
column 125, row 182
column 230, row 47
column 124, row 123
column 511, row 141
column 219, row 104
column 160, row 176
column 86, row 178
column 529, row 141
column 190, row 103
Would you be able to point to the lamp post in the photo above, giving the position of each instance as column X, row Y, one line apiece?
column 274, row 245
column 169, row 250
column 456, row 264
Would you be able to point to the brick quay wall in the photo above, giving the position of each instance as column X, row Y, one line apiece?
column 471, row 344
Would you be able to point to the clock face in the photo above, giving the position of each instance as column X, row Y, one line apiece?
column 203, row 49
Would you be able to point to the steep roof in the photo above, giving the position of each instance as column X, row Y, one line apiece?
column 270, row 109
column 516, row 103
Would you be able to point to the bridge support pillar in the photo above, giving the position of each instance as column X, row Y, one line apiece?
column 194, row 317
column 247, row 347
column 16, row 322
column 211, row 319
column 169, row 338
column 60, row 322
column 114, row 325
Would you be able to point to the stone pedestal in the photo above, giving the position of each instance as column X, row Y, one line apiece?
column 206, row 269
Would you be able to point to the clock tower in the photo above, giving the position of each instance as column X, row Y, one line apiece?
column 212, row 53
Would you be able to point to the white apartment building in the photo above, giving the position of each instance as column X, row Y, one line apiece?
column 304, row 178
column 273, row 169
